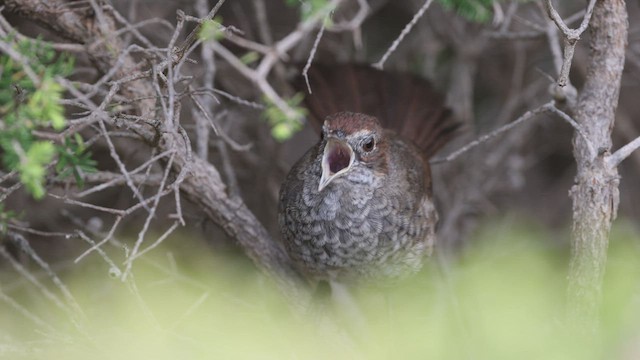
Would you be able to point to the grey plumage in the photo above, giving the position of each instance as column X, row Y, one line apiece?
column 375, row 221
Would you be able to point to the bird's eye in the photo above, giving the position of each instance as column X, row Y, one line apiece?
column 369, row 145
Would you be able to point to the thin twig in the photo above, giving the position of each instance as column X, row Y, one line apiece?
column 113, row 268
column 33, row 280
column 405, row 31
column 145, row 227
column 546, row 108
column 564, row 116
column 305, row 71
column 121, row 166
column 263, row 22
column 484, row 138
column 26, row 247
column 208, row 78
column 193, row 35
column 97, row 246
column 155, row 244
column 22, row 60
column 41, row 233
column 26, row 312
column 108, row 179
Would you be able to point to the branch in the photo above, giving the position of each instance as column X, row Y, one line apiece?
column 193, row 36
column 484, row 138
column 405, row 31
column 564, row 116
column 305, row 71
column 571, row 37
column 135, row 80
column 616, row 158
column 572, row 34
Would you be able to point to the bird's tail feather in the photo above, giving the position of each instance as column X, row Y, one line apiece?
column 402, row 102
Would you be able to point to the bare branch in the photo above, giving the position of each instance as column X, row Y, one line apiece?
column 311, row 55
column 484, row 138
column 571, row 37
column 193, row 35
column 165, row 235
column 113, row 268
column 145, row 227
column 26, row 247
column 97, row 247
column 616, row 158
column 263, row 23
column 564, row 116
column 121, row 166
column 405, row 31
column 572, row 34
column 24, row 311
column 33, row 280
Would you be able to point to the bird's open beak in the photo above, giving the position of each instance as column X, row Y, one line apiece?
column 336, row 160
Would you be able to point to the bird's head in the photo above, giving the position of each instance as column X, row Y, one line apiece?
column 351, row 141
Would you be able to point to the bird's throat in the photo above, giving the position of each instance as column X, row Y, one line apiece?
column 336, row 160
column 339, row 157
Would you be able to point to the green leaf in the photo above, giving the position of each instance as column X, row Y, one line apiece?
column 249, row 57
column 211, row 30
column 32, row 167
column 25, row 107
column 74, row 159
column 309, row 8
column 475, row 10
column 284, row 126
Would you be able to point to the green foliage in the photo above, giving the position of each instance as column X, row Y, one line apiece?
column 503, row 298
column 74, row 159
column 309, row 7
column 282, row 125
column 26, row 106
column 474, row 10
column 250, row 57
column 32, row 167
column 211, row 30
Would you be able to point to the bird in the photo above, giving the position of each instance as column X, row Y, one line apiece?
column 358, row 206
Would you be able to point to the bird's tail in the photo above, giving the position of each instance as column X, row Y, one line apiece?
column 402, row 102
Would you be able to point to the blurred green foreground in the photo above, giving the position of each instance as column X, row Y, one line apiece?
column 502, row 298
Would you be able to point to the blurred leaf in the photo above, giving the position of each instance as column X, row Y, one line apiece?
column 309, row 8
column 249, row 57
column 74, row 159
column 25, row 107
column 474, row 10
column 32, row 167
column 211, row 30
column 282, row 125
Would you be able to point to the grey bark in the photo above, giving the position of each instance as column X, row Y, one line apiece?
column 595, row 193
